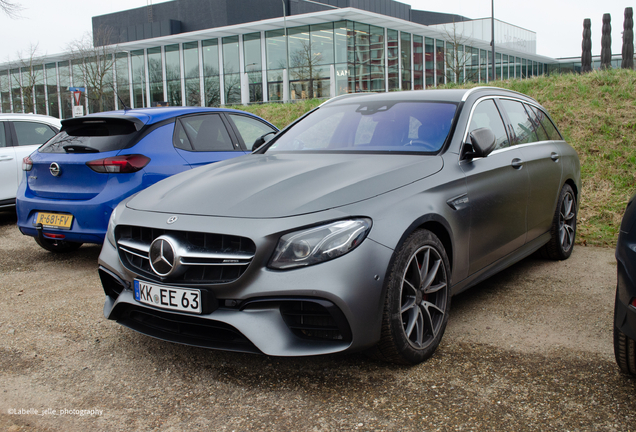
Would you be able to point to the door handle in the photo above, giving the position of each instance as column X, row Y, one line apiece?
column 5, row 158
column 517, row 163
column 555, row 156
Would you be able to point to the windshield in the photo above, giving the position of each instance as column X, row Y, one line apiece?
column 376, row 126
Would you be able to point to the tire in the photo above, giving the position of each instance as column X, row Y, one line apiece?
column 625, row 352
column 58, row 246
column 563, row 229
column 417, row 302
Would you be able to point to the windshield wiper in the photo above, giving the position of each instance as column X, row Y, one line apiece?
column 78, row 148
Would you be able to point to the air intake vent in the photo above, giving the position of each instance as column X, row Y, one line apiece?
column 315, row 320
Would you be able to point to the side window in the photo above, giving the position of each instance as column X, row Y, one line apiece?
column 3, row 137
column 249, row 128
column 541, row 133
column 202, row 133
column 550, row 129
column 32, row 133
column 521, row 123
column 487, row 115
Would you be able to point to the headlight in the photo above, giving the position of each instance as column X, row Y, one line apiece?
column 319, row 244
column 110, row 232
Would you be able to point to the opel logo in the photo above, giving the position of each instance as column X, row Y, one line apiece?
column 55, row 169
column 164, row 259
column 172, row 219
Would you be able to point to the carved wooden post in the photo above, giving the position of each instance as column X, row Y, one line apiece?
column 628, row 40
column 606, row 42
column 586, row 46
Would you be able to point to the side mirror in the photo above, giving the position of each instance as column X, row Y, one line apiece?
column 483, row 141
column 263, row 139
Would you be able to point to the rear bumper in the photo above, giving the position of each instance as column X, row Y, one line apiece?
column 90, row 217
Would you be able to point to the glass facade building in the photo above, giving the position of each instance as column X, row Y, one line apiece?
column 267, row 61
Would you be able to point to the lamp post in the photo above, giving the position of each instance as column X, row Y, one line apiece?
column 492, row 42
column 284, row 18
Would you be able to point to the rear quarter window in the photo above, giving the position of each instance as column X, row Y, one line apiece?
column 548, row 126
column 32, row 133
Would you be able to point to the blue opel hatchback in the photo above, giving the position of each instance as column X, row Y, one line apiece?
column 74, row 181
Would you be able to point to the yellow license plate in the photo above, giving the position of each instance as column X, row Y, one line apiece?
column 55, row 220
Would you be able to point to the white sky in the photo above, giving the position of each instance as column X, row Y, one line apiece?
column 53, row 24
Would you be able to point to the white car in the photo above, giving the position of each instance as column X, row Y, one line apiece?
column 20, row 135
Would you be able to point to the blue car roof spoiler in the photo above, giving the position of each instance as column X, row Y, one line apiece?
column 77, row 121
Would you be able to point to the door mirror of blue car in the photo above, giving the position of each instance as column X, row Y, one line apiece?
column 263, row 139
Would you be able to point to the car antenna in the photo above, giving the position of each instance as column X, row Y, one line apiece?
column 120, row 100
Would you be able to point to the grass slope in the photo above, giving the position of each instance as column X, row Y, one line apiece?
column 596, row 113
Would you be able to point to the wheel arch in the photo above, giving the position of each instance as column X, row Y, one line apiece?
column 575, row 189
column 438, row 226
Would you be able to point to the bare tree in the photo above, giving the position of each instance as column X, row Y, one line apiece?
column 96, row 63
column 11, row 9
column 211, row 86
column 458, row 58
column 25, row 73
column 304, row 66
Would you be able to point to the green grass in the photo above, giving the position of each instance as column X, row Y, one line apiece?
column 279, row 114
column 595, row 112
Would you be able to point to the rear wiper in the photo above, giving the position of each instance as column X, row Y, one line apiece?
column 77, row 148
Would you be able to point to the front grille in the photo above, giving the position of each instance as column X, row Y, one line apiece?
column 315, row 319
column 208, row 258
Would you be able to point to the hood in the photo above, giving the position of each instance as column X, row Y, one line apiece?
column 281, row 185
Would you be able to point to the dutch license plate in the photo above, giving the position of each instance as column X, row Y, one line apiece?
column 165, row 297
column 55, row 220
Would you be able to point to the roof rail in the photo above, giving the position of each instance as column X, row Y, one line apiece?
column 344, row 96
column 470, row 91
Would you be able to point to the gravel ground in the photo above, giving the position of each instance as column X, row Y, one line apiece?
column 530, row 349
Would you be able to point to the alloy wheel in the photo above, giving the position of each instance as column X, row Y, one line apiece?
column 424, row 293
column 567, row 219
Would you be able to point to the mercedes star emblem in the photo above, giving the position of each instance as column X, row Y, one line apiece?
column 172, row 219
column 55, row 169
column 163, row 256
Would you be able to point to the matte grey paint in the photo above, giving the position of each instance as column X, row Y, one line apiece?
column 263, row 196
column 281, row 185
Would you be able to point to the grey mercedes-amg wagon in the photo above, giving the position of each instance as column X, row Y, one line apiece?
column 351, row 229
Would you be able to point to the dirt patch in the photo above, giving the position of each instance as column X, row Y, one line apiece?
column 529, row 349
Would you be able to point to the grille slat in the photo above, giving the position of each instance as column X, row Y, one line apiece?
column 210, row 258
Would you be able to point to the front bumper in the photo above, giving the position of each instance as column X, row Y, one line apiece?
column 326, row 308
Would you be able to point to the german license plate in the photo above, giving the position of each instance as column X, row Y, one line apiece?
column 166, row 297
column 55, row 220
